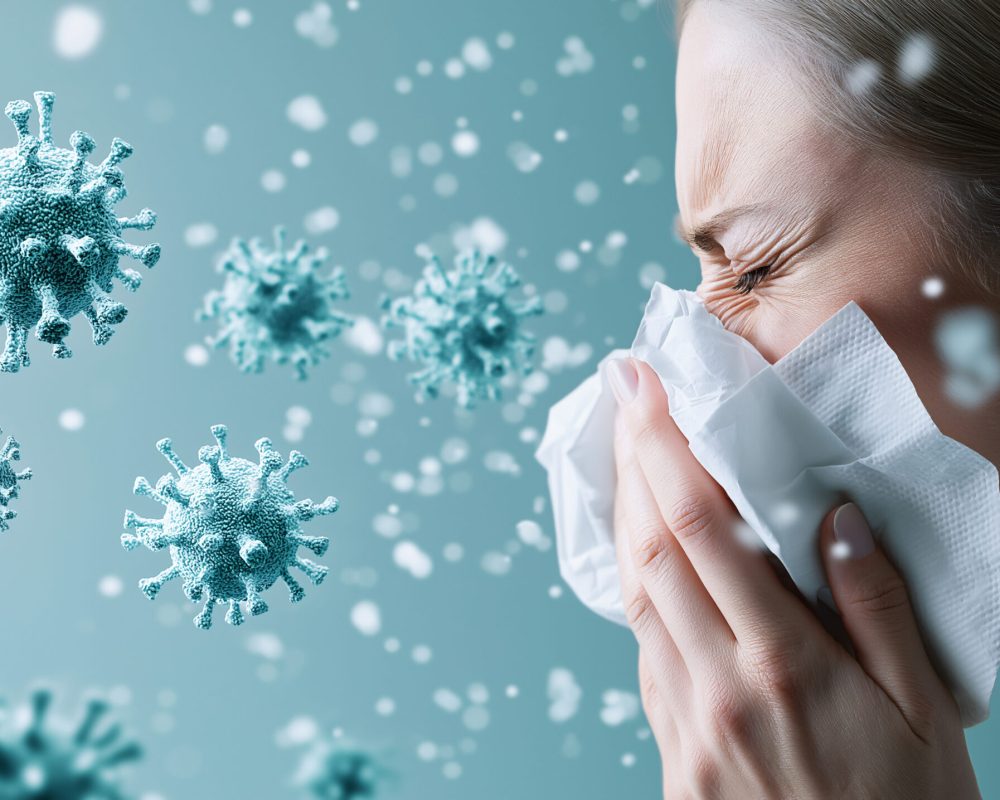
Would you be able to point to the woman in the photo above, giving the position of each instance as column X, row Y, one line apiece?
column 827, row 151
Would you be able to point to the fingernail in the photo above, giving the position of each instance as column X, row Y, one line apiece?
column 623, row 378
column 850, row 529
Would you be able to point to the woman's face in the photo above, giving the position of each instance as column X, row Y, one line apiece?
column 789, row 219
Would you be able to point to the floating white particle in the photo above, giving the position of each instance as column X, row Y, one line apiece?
column 619, row 707
column 363, row 132
column 447, row 700
column 215, row 139
column 495, row 563
column 301, row 158
column 430, row 154
column 71, row 419
column 365, row 336
column 628, row 760
column 445, row 185
column 862, row 76
column 840, row 550
column 452, row 770
column 403, row 482
column 424, row 68
column 454, row 68
column 408, row 556
column 454, row 450
column 427, row 751
column 932, row 287
column 483, row 234
column 478, row 693
column 366, row 618
column 555, row 592
column 561, row 135
column 392, row 645
column 651, row 273
column 577, row 59
column 968, row 342
column 501, row 461
column 476, row 718
column 272, row 180
column 524, row 157
column 531, row 533
column 200, row 234
column 453, row 552
column 385, row 706
column 265, row 645
column 375, row 404
column 200, row 6
column 306, row 112
column 567, row 261
column 300, row 416
column 298, row 731
column 512, row 691
column 465, row 143
column 322, row 220
column 77, row 31
column 196, row 355
column 916, row 59
column 242, row 18
column 587, row 193
column 400, row 161
column 564, row 695
column 476, row 53
column 110, row 586
column 316, row 24
column 421, row 654
column 403, row 84
column 388, row 525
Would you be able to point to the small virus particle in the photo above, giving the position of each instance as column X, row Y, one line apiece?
column 61, row 760
column 274, row 304
column 332, row 769
column 59, row 237
column 462, row 327
column 232, row 527
column 10, row 480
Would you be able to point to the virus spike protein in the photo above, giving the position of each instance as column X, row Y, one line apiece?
column 10, row 480
column 60, row 240
column 462, row 328
column 232, row 528
column 275, row 304
column 42, row 758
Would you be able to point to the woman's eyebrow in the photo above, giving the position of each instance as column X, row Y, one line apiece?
column 703, row 235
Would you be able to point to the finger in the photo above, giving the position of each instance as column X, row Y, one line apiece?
column 669, row 669
column 658, row 713
column 729, row 562
column 665, row 589
column 871, row 596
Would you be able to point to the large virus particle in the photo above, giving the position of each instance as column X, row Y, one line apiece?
column 59, row 237
column 332, row 769
column 44, row 757
column 462, row 327
column 275, row 304
column 232, row 527
column 10, row 480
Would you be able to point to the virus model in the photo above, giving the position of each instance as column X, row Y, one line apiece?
column 59, row 237
column 47, row 758
column 9, row 480
column 335, row 770
column 232, row 527
column 275, row 304
column 462, row 327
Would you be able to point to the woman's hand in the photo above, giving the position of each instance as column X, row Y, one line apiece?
column 747, row 694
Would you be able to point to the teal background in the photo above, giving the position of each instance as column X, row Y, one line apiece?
column 206, row 707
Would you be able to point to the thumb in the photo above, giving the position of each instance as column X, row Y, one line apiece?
column 871, row 597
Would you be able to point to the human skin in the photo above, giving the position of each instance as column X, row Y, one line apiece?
column 747, row 693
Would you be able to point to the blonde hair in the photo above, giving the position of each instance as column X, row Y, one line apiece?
column 914, row 79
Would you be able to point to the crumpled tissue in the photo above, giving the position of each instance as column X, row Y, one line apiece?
column 837, row 417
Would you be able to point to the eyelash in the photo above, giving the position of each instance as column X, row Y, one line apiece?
column 751, row 279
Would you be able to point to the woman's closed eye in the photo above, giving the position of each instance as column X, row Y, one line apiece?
column 751, row 279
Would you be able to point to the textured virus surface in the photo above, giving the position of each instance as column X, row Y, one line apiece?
column 335, row 770
column 232, row 527
column 44, row 757
column 275, row 304
column 59, row 237
column 10, row 479
column 463, row 329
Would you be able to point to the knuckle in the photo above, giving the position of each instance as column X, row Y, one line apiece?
column 639, row 609
column 778, row 673
column 692, row 518
column 730, row 718
column 651, row 545
column 704, row 774
column 873, row 599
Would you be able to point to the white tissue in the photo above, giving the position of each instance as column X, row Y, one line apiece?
column 836, row 417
